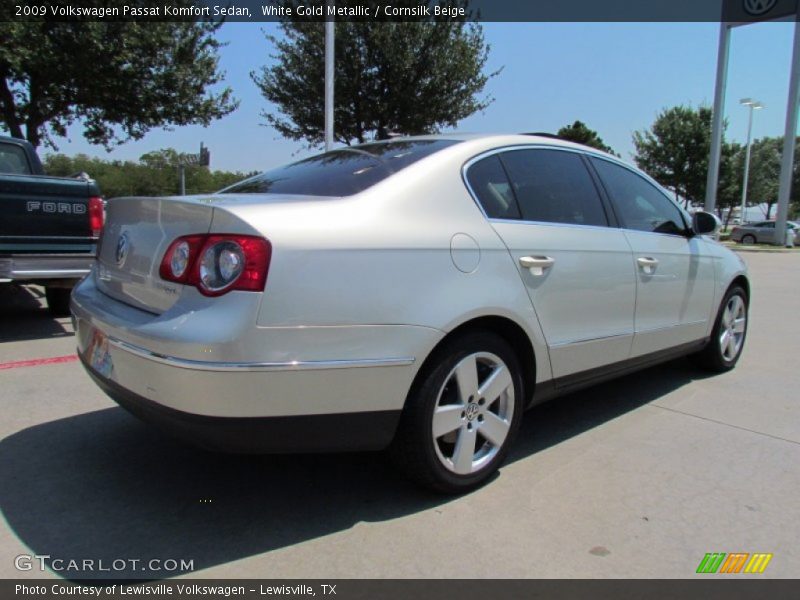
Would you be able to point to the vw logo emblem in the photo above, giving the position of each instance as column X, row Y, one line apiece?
column 123, row 245
column 759, row 7
column 472, row 411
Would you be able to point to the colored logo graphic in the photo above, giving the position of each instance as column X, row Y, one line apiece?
column 736, row 562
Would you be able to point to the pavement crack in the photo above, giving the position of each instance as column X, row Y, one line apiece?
column 688, row 414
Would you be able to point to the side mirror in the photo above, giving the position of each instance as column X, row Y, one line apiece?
column 704, row 223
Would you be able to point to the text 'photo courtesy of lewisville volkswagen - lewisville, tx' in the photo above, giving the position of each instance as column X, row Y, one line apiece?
column 299, row 296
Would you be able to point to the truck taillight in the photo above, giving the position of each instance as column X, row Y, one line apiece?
column 218, row 263
column 97, row 216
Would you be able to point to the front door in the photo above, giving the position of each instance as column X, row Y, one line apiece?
column 674, row 272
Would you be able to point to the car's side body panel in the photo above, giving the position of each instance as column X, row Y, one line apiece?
column 674, row 301
column 585, row 300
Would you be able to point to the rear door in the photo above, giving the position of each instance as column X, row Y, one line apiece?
column 545, row 205
column 674, row 272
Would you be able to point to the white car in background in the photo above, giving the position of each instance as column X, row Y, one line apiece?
column 417, row 294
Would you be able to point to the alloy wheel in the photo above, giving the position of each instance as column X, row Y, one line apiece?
column 473, row 413
column 733, row 327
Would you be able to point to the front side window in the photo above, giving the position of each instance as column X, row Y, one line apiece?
column 641, row 205
column 13, row 160
column 341, row 172
column 554, row 186
column 490, row 184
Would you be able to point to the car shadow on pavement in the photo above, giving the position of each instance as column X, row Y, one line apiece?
column 103, row 486
column 24, row 315
column 553, row 422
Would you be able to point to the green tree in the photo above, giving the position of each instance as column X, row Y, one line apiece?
column 409, row 78
column 119, row 79
column 765, row 170
column 155, row 174
column 579, row 133
column 729, row 191
column 674, row 151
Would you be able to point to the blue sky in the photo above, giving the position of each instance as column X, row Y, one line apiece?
column 614, row 77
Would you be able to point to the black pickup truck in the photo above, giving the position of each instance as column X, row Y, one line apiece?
column 49, row 226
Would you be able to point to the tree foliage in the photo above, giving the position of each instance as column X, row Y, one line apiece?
column 119, row 79
column 765, row 169
column 579, row 133
column 155, row 174
column 674, row 151
column 403, row 77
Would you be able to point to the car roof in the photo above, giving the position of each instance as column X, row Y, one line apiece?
column 499, row 139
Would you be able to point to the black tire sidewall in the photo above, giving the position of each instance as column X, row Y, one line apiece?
column 427, row 396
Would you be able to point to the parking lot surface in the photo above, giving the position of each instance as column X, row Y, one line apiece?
column 638, row 477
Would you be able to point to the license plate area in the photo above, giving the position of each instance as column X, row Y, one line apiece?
column 98, row 355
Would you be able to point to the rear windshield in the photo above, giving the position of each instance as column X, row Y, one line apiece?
column 341, row 172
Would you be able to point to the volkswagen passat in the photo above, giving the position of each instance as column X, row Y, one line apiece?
column 416, row 294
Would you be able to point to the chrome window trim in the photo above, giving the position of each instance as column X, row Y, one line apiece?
column 465, row 168
column 659, row 188
column 295, row 365
column 580, row 152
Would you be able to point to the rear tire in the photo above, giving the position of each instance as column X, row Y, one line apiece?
column 730, row 330
column 461, row 415
column 58, row 300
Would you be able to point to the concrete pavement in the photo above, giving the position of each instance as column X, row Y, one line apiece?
column 638, row 477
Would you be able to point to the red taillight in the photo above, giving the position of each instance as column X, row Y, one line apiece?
column 97, row 215
column 216, row 264
column 177, row 265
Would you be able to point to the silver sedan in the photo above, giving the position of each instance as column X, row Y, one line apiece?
column 417, row 294
column 762, row 232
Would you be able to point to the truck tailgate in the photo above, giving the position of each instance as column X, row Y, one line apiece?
column 45, row 214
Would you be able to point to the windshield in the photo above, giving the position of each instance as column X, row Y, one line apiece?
column 341, row 172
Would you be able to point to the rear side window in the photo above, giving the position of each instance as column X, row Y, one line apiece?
column 341, row 172
column 13, row 160
column 490, row 184
column 553, row 186
column 641, row 205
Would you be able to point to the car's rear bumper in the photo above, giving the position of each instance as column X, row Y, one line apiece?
column 211, row 375
column 39, row 267
column 301, row 433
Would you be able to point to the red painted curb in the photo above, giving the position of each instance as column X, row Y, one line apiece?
column 39, row 361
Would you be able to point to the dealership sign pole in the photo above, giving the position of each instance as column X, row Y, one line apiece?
column 745, row 12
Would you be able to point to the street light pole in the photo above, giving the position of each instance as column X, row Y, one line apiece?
column 329, row 75
column 752, row 105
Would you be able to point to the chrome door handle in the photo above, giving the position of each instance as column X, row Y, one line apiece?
column 647, row 264
column 536, row 264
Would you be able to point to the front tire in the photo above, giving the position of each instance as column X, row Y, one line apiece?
column 462, row 414
column 748, row 239
column 730, row 330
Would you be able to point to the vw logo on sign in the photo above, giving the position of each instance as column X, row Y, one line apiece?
column 759, row 7
column 123, row 245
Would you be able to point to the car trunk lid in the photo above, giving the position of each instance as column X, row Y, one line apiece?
column 138, row 231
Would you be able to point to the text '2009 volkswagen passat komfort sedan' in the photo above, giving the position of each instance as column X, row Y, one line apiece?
column 417, row 294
